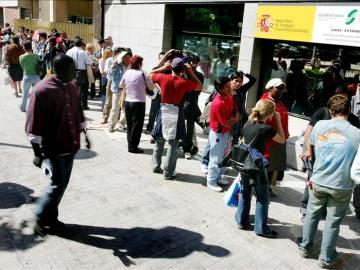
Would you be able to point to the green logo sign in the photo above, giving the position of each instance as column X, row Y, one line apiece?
column 351, row 17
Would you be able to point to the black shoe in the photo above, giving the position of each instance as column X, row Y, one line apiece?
column 271, row 234
column 158, row 170
column 136, row 151
column 245, row 227
column 152, row 141
column 194, row 150
column 43, row 229
column 86, row 108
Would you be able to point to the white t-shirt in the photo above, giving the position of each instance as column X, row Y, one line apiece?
column 80, row 58
column 134, row 84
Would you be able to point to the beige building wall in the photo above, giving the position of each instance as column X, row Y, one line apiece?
column 10, row 13
column 140, row 27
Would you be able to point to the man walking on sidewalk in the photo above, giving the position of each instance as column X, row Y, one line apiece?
column 53, row 125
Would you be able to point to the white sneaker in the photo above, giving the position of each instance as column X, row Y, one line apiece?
column 214, row 186
column 204, row 168
column 224, row 181
column 187, row 155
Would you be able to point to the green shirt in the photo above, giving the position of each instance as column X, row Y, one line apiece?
column 28, row 62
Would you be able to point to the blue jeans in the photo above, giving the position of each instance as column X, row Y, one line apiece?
column 218, row 144
column 29, row 81
column 171, row 158
column 103, row 82
column 262, row 202
column 47, row 208
column 206, row 154
column 336, row 202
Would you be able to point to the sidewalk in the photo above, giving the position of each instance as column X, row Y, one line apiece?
column 120, row 215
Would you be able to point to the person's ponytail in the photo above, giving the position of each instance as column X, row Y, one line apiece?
column 262, row 110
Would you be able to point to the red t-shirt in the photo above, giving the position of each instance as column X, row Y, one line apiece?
column 173, row 88
column 221, row 110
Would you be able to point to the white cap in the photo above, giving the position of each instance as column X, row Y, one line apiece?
column 120, row 57
column 274, row 83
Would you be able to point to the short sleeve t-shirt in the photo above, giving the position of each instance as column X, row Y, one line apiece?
column 221, row 111
column 335, row 144
column 134, row 82
column 173, row 88
column 258, row 134
column 28, row 62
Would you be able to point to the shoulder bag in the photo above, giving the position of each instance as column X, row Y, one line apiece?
column 147, row 90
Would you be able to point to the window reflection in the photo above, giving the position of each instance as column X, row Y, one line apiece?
column 216, row 54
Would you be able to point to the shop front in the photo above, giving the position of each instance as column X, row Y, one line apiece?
column 315, row 50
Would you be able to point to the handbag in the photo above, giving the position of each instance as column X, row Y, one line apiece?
column 247, row 159
column 231, row 197
column 147, row 90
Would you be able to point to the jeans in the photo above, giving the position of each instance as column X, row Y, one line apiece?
column 171, row 157
column 356, row 198
column 206, row 154
column 262, row 202
column 103, row 83
column 155, row 106
column 218, row 144
column 29, row 81
column 135, row 114
column 336, row 202
column 47, row 207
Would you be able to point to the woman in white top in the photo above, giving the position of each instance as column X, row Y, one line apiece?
column 135, row 82
column 107, row 54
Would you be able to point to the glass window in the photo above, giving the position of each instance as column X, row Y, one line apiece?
column 313, row 73
column 213, row 33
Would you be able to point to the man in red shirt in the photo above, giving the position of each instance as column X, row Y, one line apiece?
column 223, row 115
column 170, row 126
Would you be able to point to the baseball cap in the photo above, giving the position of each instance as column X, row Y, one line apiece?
column 220, row 81
column 121, row 56
column 177, row 64
column 274, row 83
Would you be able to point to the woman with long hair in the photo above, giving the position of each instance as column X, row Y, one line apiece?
column 256, row 133
column 12, row 58
column 135, row 82
column 103, row 82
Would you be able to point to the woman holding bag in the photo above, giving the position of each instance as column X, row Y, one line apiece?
column 134, row 82
column 258, row 133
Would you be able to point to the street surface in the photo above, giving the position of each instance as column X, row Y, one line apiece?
column 120, row 215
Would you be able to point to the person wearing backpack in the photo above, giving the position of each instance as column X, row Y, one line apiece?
column 28, row 62
column 257, row 133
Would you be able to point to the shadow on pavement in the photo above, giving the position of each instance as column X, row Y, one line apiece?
column 168, row 242
column 191, row 179
column 13, row 239
column 85, row 154
column 14, row 195
column 287, row 196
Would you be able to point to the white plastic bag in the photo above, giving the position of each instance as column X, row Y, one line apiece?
column 169, row 118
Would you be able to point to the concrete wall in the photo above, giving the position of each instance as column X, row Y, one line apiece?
column 11, row 13
column 140, row 27
column 44, row 10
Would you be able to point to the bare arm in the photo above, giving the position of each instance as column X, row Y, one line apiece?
column 279, row 137
column 193, row 77
column 308, row 151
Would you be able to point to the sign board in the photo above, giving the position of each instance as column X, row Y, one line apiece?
column 285, row 22
column 339, row 25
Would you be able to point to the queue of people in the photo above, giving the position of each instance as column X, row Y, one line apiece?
column 55, row 120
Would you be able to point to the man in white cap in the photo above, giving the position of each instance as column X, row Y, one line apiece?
column 116, row 72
